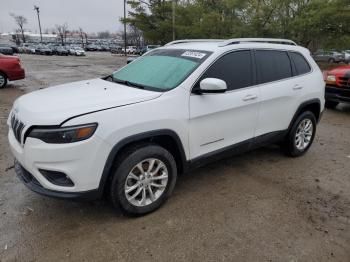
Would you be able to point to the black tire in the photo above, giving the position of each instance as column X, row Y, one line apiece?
column 290, row 146
column 2, row 75
column 126, row 162
column 331, row 60
column 331, row 104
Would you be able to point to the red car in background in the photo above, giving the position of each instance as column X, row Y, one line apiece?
column 10, row 69
column 337, row 86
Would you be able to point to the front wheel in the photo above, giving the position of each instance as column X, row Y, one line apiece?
column 301, row 135
column 3, row 80
column 144, row 179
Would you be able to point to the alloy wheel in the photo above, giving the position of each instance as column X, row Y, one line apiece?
column 304, row 134
column 146, row 182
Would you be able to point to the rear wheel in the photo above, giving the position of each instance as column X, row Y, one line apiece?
column 331, row 60
column 331, row 104
column 144, row 179
column 3, row 80
column 301, row 135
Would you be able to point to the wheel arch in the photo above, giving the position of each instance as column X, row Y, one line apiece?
column 4, row 73
column 163, row 137
column 313, row 105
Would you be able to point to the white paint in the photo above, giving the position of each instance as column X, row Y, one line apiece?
column 203, row 123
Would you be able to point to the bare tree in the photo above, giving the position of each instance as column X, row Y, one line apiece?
column 135, row 35
column 20, row 21
column 62, row 31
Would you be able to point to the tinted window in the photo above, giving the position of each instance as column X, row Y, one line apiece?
column 234, row 68
column 300, row 63
column 272, row 65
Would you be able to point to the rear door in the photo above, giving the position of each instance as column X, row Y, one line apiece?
column 224, row 119
column 279, row 91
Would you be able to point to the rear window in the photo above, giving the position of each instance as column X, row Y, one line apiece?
column 301, row 65
column 272, row 65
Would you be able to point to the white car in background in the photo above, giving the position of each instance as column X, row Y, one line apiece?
column 129, row 135
column 131, row 49
column 77, row 51
column 346, row 54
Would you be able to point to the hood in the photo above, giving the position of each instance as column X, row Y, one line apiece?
column 52, row 106
column 9, row 57
column 340, row 70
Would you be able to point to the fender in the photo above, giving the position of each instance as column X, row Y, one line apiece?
column 302, row 106
column 134, row 138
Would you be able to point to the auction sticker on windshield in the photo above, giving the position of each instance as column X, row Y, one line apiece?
column 193, row 54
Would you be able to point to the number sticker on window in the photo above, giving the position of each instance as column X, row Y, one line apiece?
column 192, row 54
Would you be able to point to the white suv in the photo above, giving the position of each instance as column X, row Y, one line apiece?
column 179, row 106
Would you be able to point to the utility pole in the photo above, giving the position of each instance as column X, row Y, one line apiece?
column 36, row 8
column 125, row 27
column 174, row 5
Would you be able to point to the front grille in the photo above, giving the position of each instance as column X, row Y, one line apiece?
column 17, row 127
column 344, row 81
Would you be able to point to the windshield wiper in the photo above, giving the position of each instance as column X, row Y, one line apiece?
column 128, row 83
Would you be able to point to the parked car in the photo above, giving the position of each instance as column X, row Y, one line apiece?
column 147, row 48
column 32, row 49
column 60, row 50
column 328, row 56
column 12, row 46
column 6, row 50
column 10, row 69
column 117, row 50
column 43, row 50
column 91, row 47
column 130, row 49
column 338, row 86
column 346, row 54
column 130, row 134
column 77, row 51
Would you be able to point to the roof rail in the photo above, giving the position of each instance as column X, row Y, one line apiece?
column 258, row 40
column 193, row 41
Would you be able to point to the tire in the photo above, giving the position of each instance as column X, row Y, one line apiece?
column 3, row 80
column 291, row 145
column 331, row 60
column 142, row 186
column 331, row 104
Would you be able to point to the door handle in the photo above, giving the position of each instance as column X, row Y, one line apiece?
column 250, row 97
column 297, row 87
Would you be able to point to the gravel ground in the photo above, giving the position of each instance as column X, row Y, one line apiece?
column 260, row 206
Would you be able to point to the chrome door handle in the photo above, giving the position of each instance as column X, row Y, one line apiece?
column 250, row 97
column 297, row 87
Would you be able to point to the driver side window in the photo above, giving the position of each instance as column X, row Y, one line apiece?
column 234, row 68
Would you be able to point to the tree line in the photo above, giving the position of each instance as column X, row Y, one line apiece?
column 311, row 23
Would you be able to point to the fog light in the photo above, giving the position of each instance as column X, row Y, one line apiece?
column 57, row 178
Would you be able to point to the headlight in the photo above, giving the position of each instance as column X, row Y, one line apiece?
column 64, row 135
column 331, row 78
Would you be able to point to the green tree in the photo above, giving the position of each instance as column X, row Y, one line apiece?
column 312, row 23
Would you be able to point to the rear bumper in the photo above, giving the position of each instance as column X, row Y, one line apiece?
column 33, row 184
column 338, row 94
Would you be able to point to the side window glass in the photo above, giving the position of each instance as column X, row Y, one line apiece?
column 272, row 65
column 301, row 65
column 234, row 68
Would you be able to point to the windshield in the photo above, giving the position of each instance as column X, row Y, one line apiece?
column 161, row 70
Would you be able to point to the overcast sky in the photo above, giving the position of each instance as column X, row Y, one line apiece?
column 91, row 15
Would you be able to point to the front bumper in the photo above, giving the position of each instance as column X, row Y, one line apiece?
column 83, row 162
column 337, row 94
column 33, row 184
column 17, row 74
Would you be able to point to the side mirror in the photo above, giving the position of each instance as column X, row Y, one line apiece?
column 212, row 85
